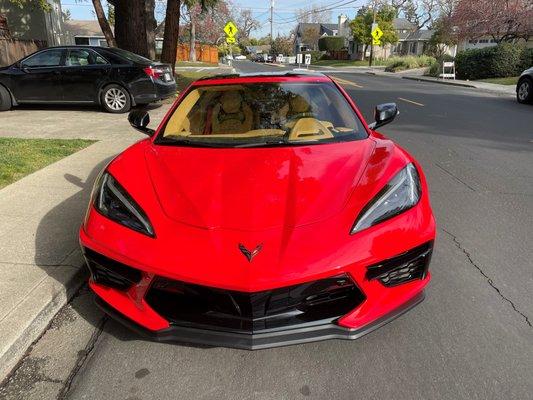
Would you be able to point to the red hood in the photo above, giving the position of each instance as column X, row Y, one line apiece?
column 256, row 189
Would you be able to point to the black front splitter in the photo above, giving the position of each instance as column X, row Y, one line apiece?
column 287, row 336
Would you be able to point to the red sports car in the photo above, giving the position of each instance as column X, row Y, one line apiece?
column 263, row 211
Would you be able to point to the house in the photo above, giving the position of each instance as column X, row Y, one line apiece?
column 30, row 22
column 486, row 41
column 307, row 34
column 85, row 32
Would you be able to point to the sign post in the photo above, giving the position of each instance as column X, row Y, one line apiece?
column 299, row 57
column 376, row 34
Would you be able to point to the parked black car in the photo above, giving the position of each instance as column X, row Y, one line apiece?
column 114, row 78
column 524, row 87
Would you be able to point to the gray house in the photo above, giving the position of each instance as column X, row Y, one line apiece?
column 30, row 22
column 85, row 32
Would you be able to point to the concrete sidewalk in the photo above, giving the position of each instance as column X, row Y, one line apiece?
column 40, row 263
column 490, row 87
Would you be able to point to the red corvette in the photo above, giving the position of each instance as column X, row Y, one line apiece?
column 262, row 212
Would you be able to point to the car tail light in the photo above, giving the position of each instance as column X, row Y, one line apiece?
column 154, row 72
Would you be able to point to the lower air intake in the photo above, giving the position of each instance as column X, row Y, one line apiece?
column 108, row 272
column 404, row 268
column 185, row 304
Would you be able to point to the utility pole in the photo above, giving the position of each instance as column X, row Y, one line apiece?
column 373, row 24
column 271, row 21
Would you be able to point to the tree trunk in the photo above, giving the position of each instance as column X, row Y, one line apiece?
column 130, row 26
column 172, row 30
column 104, row 24
column 151, row 25
column 192, row 42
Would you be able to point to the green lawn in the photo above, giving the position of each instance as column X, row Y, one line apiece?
column 347, row 63
column 194, row 64
column 20, row 157
column 512, row 80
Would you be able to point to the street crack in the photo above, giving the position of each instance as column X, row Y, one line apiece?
column 455, row 177
column 489, row 280
column 83, row 355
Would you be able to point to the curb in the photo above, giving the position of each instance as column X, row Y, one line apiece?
column 441, row 82
column 14, row 352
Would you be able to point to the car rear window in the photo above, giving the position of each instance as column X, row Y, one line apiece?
column 128, row 55
column 264, row 114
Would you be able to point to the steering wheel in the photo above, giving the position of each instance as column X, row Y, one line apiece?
column 309, row 128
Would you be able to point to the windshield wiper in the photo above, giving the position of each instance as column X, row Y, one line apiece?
column 192, row 143
column 266, row 143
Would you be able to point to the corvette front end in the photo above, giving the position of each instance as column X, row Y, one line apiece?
column 264, row 243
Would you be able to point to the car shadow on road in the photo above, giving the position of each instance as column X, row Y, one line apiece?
column 57, row 233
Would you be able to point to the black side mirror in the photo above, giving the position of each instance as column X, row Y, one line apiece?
column 384, row 114
column 140, row 119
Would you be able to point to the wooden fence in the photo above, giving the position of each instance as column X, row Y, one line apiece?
column 12, row 50
column 204, row 53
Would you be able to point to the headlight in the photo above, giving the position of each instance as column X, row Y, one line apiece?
column 400, row 194
column 112, row 201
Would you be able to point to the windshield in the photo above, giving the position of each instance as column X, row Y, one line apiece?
column 248, row 115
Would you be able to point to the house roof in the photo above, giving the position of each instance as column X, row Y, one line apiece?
column 402, row 24
column 84, row 28
column 263, row 48
column 423, row 34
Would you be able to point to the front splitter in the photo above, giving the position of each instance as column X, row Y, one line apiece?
column 289, row 336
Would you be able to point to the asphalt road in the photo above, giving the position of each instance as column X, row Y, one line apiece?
column 472, row 338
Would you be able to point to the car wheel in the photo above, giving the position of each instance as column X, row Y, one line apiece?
column 5, row 99
column 115, row 99
column 524, row 91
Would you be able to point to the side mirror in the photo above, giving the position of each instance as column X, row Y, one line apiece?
column 140, row 119
column 384, row 114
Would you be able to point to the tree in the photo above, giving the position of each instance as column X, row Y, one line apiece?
column 504, row 21
column 442, row 37
column 171, row 33
column 134, row 25
column 361, row 26
column 194, row 10
column 420, row 12
column 104, row 23
column 247, row 24
column 310, row 36
column 313, row 14
column 282, row 45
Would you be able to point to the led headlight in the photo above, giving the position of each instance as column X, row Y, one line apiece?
column 400, row 194
column 112, row 201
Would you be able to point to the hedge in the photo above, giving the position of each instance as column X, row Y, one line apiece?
column 331, row 43
column 503, row 60
column 395, row 64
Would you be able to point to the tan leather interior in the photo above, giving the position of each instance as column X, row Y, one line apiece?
column 309, row 129
column 231, row 115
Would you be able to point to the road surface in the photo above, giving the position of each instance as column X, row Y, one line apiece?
column 472, row 338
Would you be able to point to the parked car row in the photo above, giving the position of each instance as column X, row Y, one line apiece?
column 262, row 58
column 113, row 78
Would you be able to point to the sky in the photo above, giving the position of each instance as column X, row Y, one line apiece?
column 284, row 11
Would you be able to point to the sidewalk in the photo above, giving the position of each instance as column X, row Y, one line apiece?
column 491, row 87
column 40, row 262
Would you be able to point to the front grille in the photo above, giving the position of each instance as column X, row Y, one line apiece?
column 406, row 267
column 187, row 304
column 108, row 272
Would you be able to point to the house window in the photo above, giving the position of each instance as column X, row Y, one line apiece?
column 484, row 41
column 103, row 43
column 472, row 41
column 81, row 41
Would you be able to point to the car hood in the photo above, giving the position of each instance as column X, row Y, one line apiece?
column 255, row 189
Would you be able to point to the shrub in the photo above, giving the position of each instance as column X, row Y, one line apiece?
column 526, row 60
column 395, row 64
column 503, row 60
column 315, row 55
column 325, row 57
column 331, row 43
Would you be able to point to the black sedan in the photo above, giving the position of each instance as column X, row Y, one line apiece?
column 113, row 78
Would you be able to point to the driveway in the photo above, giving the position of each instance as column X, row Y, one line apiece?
column 64, row 122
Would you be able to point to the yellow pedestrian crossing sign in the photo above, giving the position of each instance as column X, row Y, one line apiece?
column 376, row 33
column 230, row 40
column 230, row 29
